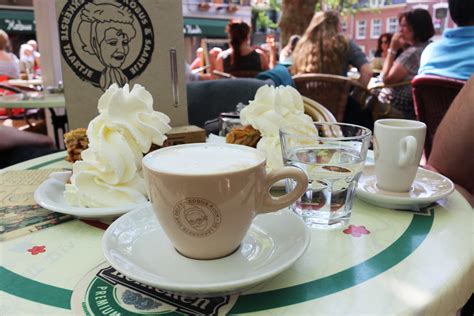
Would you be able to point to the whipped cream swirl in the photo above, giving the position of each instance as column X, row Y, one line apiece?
column 273, row 108
column 110, row 172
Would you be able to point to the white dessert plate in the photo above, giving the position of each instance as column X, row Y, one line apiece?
column 136, row 246
column 427, row 188
column 50, row 195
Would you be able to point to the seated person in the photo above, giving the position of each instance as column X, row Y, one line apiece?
column 240, row 57
column 334, row 55
column 27, row 61
column 382, row 50
column 17, row 146
column 415, row 31
column 199, row 60
column 453, row 55
column 324, row 49
column 451, row 153
column 9, row 64
column 287, row 51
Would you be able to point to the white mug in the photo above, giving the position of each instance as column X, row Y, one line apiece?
column 205, row 196
column 398, row 146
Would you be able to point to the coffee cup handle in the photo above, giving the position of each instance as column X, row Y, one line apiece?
column 272, row 203
column 407, row 147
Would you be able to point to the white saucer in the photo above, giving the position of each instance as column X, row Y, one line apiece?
column 427, row 188
column 50, row 196
column 136, row 246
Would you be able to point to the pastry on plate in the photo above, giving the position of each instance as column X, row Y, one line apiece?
column 76, row 141
column 246, row 135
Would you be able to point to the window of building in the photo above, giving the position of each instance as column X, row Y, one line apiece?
column 344, row 26
column 420, row 6
column 392, row 25
column 376, row 3
column 376, row 29
column 361, row 27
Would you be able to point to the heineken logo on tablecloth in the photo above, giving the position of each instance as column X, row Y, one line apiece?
column 106, row 42
column 105, row 291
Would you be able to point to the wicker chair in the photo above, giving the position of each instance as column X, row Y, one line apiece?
column 432, row 96
column 317, row 112
column 330, row 90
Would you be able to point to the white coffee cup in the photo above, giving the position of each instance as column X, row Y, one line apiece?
column 398, row 146
column 205, row 196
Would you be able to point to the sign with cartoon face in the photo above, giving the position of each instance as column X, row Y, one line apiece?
column 103, row 42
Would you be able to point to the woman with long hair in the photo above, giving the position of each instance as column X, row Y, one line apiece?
column 415, row 31
column 382, row 45
column 382, row 50
column 240, row 56
column 323, row 49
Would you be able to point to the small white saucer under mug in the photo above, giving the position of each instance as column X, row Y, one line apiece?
column 50, row 195
column 136, row 246
column 428, row 187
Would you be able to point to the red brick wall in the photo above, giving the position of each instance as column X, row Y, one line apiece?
column 369, row 42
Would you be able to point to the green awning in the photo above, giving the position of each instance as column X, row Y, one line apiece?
column 205, row 27
column 17, row 21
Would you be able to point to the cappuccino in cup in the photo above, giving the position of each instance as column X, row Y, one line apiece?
column 205, row 196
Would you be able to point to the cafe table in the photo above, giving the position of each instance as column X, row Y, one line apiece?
column 41, row 100
column 25, row 83
column 387, row 262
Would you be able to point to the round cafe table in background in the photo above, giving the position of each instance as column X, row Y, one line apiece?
column 40, row 100
column 385, row 262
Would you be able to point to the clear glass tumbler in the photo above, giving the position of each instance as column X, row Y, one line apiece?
column 333, row 159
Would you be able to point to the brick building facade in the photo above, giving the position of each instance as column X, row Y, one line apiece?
column 368, row 24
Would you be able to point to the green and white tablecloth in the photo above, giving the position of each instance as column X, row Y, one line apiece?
column 387, row 262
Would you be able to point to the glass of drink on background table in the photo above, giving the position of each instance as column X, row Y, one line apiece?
column 333, row 160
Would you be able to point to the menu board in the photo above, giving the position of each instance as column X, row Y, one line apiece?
column 103, row 42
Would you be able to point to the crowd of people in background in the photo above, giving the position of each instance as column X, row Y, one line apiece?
column 323, row 48
column 25, row 65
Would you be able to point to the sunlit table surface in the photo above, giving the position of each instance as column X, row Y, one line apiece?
column 390, row 262
column 33, row 100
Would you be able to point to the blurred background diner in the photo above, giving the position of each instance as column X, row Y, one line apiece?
column 241, row 59
column 324, row 49
column 9, row 64
column 380, row 54
column 416, row 29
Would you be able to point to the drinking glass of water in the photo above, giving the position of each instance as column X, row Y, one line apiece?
column 333, row 159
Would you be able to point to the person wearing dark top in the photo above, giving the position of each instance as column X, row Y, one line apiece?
column 382, row 50
column 240, row 57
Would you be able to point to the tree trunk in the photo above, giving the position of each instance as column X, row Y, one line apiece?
column 295, row 18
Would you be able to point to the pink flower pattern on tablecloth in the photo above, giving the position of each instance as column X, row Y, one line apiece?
column 356, row 231
column 37, row 249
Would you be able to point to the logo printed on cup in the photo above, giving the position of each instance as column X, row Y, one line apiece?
column 197, row 217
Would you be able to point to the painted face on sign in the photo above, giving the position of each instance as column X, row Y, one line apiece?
column 114, row 47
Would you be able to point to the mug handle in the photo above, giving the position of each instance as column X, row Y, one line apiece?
column 407, row 147
column 271, row 203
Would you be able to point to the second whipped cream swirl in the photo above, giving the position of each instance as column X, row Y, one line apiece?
column 110, row 172
column 273, row 108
